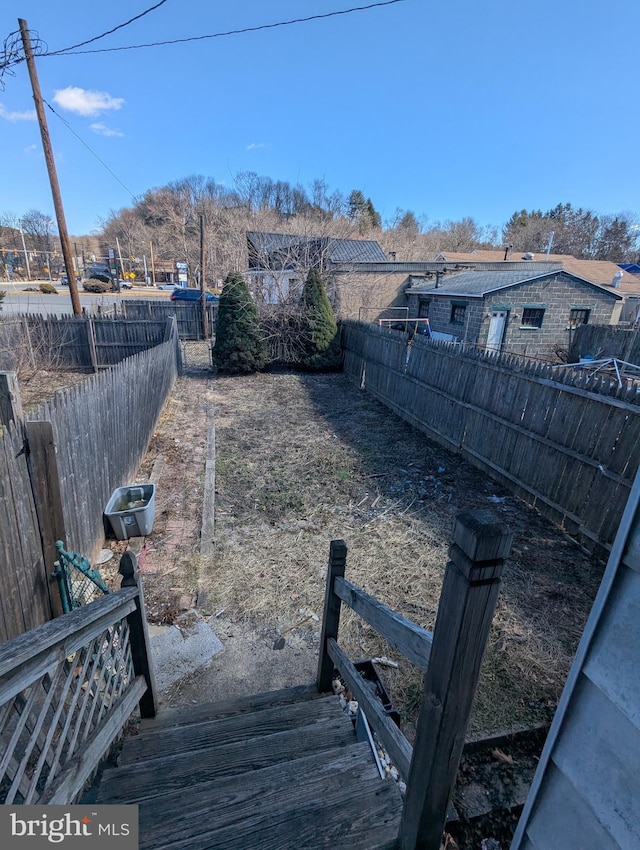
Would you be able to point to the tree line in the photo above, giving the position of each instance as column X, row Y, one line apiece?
column 169, row 217
column 166, row 220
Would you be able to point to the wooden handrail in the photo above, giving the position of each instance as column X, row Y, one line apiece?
column 450, row 659
column 67, row 688
column 411, row 640
column 67, row 633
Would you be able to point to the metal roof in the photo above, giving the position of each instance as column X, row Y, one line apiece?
column 479, row 284
column 337, row 250
column 355, row 251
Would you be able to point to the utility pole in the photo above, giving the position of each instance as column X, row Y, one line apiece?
column 24, row 248
column 153, row 268
column 203, row 288
column 121, row 263
column 51, row 168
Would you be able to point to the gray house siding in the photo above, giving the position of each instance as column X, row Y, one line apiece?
column 586, row 790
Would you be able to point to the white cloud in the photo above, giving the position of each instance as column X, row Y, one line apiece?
column 255, row 145
column 101, row 130
column 28, row 115
column 85, row 102
column 30, row 149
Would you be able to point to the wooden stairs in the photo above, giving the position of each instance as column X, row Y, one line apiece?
column 269, row 772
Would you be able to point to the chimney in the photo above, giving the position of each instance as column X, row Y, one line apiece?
column 392, row 256
column 437, row 280
column 507, row 252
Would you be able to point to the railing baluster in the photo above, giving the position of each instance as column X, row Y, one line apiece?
column 331, row 617
column 139, row 635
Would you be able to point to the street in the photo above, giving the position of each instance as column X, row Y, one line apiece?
column 18, row 301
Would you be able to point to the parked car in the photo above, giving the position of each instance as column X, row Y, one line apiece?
column 64, row 280
column 182, row 293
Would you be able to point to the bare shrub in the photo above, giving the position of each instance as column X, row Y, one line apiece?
column 31, row 345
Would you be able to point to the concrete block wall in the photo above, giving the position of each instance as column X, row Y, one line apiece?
column 557, row 295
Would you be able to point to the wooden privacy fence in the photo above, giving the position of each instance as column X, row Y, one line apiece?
column 605, row 341
column 450, row 659
column 59, row 467
column 87, row 343
column 565, row 441
column 188, row 314
column 67, row 689
column 24, row 600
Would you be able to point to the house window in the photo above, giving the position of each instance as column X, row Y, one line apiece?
column 578, row 316
column 423, row 309
column 458, row 311
column 532, row 317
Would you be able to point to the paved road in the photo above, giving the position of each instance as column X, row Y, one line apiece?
column 19, row 301
column 51, row 305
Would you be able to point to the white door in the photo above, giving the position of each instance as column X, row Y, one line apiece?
column 497, row 327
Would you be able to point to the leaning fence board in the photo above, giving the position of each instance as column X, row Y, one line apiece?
column 408, row 638
column 25, row 589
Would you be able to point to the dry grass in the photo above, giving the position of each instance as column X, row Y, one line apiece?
column 38, row 385
column 304, row 459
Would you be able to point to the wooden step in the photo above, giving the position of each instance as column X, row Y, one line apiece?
column 360, row 815
column 222, row 801
column 181, row 771
column 213, row 733
column 183, row 716
column 279, row 771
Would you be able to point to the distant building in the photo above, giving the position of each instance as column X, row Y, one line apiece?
column 279, row 263
column 526, row 311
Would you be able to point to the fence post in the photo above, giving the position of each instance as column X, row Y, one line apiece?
column 10, row 400
column 331, row 614
column 481, row 542
column 45, row 482
column 171, row 332
column 139, row 634
column 91, row 343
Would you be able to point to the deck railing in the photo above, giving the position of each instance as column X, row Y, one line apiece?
column 67, row 689
column 450, row 659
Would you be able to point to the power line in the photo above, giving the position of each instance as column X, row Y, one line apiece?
column 89, row 148
column 108, row 32
column 258, row 28
column 13, row 57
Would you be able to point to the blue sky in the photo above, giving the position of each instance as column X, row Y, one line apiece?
column 462, row 108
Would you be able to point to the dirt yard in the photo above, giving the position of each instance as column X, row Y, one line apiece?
column 302, row 460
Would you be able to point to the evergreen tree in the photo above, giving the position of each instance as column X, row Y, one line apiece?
column 239, row 348
column 372, row 217
column 320, row 330
column 362, row 211
column 356, row 204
